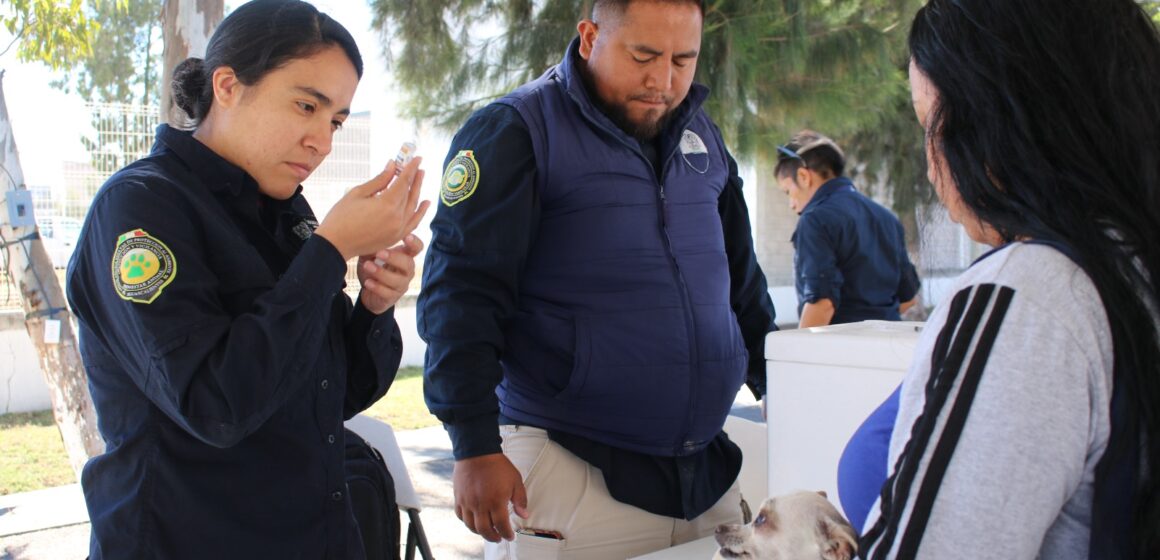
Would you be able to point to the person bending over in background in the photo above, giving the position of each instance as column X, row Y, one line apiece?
column 850, row 260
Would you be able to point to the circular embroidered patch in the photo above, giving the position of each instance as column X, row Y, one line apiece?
column 142, row 267
column 694, row 152
column 460, row 179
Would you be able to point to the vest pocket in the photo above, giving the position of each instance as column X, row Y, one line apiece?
column 541, row 346
column 581, row 360
column 620, row 356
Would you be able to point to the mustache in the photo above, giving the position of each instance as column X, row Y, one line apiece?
column 652, row 98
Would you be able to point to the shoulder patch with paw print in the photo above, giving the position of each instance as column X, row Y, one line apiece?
column 142, row 267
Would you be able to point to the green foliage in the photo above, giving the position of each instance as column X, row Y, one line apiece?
column 1153, row 7
column 774, row 66
column 124, row 62
column 122, row 68
column 447, row 69
column 57, row 33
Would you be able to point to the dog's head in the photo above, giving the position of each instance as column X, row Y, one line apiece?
column 800, row 526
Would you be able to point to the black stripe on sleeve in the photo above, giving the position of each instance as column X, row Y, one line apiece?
column 940, row 460
column 942, row 344
column 947, row 360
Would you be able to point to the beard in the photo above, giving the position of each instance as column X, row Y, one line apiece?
column 644, row 131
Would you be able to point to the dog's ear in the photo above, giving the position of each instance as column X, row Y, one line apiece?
column 839, row 541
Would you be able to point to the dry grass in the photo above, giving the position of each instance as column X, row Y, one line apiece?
column 403, row 407
column 33, row 456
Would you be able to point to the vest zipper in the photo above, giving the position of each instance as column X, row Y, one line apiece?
column 683, row 446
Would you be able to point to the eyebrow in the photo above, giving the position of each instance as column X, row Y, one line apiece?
column 321, row 97
column 654, row 52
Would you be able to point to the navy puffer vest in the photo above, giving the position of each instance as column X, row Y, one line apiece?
column 624, row 332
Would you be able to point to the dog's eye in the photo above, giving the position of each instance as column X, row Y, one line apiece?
column 760, row 520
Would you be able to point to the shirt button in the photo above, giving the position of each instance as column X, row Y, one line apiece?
column 376, row 333
column 330, row 438
column 325, row 384
column 337, row 496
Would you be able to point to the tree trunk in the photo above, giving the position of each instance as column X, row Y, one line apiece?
column 44, row 306
column 186, row 26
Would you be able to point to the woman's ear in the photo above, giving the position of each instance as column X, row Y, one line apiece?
column 227, row 89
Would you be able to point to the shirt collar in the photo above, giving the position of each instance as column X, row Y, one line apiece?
column 835, row 185
column 216, row 172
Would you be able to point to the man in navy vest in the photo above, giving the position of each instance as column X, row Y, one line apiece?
column 591, row 300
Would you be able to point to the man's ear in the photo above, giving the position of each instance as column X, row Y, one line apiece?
column 227, row 88
column 803, row 178
column 588, row 31
column 839, row 541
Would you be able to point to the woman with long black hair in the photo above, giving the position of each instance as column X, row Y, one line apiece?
column 1028, row 426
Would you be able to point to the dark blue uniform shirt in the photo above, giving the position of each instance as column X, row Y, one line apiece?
column 223, row 357
column 484, row 270
column 852, row 251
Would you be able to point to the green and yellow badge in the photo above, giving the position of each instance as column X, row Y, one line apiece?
column 142, row 266
column 460, row 179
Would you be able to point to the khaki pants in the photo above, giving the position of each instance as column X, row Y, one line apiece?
column 567, row 495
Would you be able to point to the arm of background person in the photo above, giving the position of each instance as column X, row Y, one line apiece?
column 818, row 272
column 748, row 291
column 908, row 282
column 817, row 314
column 471, row 279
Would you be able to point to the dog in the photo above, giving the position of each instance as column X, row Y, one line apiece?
column 798, row 526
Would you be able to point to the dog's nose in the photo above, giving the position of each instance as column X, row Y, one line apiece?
column 722, row 529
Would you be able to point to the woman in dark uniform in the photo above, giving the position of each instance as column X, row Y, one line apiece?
column 221, row 350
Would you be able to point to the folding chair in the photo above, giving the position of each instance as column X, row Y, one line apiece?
column 380, row 435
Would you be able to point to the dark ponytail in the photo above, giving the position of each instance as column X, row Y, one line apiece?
column 255, row 39
column 191, row 88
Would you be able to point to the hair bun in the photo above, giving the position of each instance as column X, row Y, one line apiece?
column 189, row 81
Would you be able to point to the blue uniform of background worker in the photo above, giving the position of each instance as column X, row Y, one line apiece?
column 850, row 260
column 850, row 264
column 591, row 285
column 221, row 350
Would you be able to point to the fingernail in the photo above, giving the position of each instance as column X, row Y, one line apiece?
column 411, row 237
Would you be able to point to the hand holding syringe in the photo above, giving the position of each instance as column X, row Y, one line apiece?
column 406, row 153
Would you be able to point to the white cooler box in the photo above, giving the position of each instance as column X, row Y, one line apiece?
column 822, row 383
